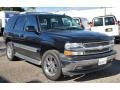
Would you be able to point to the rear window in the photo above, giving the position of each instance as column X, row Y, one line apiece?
column 84, row 22
column 109, row 21
column 98, row 21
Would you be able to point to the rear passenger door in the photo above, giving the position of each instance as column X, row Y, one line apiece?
column 18, row 34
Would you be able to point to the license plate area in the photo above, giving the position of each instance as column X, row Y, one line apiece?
column 102, row 61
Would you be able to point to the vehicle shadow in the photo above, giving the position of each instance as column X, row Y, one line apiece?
column 3, row 80
column 2, row 52
column 114, row 69
column 34, row 81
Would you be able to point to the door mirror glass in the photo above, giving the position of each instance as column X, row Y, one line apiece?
column 30, row 29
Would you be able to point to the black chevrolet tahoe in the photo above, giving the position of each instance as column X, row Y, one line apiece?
column 58, row 44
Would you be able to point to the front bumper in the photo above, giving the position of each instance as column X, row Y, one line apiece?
column 85, row 64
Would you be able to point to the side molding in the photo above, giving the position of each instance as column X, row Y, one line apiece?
column 28, row 59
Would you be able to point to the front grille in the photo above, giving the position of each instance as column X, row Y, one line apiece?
column 93, row 47
column 96, row 44
column 97, row 51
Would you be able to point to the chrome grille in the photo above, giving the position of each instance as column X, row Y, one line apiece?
column 96, row 44
column 95, row 47
column 97, row 51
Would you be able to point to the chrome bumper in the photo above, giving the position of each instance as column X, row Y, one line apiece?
column 84, row 66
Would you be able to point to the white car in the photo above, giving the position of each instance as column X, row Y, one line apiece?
column 107, row 25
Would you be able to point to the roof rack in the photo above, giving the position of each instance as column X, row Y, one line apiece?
column 35, row 13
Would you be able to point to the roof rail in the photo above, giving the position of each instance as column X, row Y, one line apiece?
column 35, row 13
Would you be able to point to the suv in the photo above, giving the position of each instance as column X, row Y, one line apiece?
column 107, row 25
column 58, row 44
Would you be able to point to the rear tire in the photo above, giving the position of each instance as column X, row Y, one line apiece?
column 51, row 65
column 10, row 51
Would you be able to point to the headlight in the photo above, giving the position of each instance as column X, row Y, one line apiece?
column 71, row 49
column 69, row 46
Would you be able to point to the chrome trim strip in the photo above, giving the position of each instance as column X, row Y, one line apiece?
column 33, row 49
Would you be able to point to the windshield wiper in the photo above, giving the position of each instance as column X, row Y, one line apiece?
column 64, row 28
column 74, row 28
column 60, row 28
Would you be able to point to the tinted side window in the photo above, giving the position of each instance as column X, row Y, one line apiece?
column 31, row 21
column 11, row 22
column 43, row 23
column 20, row 23
column 109, row 21
column 98, row 22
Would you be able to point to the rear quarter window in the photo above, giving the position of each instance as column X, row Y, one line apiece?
column 98, row 21
column 11, row 22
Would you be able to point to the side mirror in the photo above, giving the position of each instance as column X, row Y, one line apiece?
column 89, row 23
column 30, row 29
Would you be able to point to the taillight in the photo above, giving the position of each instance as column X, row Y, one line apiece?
column 116, row 22
column 80, row 24
column 92, row 24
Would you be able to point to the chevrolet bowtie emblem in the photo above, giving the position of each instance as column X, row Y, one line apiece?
column 100, row 47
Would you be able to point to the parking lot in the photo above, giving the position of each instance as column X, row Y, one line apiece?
column 21, row 71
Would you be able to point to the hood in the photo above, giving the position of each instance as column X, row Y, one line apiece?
column 78, row 36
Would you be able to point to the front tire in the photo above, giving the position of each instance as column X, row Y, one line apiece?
column 51, row 65
column 10, row 51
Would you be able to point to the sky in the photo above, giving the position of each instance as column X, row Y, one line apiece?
column 55, row 9
column 60, row 3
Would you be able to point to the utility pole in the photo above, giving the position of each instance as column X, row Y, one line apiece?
column 105, row 11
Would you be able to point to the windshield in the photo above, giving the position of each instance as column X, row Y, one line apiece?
column 98, row 21
column 57, row 22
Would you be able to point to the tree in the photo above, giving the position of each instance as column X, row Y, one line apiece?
column 31, row 9
column 12, row 9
